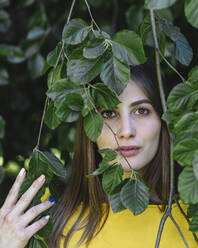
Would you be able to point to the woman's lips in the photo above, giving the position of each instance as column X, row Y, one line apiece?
column 128, row 151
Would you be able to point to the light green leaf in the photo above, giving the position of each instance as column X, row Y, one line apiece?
column 82, row 71
column 75, row 31
column 109, row 155
column 188, row 186
column 159, row 4
column 104, row 97
column 112, row 178
column 93, row 124
column 128, row 48
column 51, row 118
column 135, row 196
column 115, row 75
column 191, row 12
column 35, row 33
column 185, row 151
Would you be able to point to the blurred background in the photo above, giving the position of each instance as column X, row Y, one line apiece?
column 29, row 30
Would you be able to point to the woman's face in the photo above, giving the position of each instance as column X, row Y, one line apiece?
column 137, row 127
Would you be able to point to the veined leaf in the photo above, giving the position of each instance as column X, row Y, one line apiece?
column 75, row 31
column 51, row 118
column 115, row 75
column 185, row 151
column 112, row 178
column 83, row 70
column 128, row 48
column 191, row 12
column 94, row 52
column 159, row 4
column 93, row 124
column 135, row 196
column 193, row 74
column 104, row 97
column 194, row 223
column 192, row 209
column 109, row 155
column 188, row 186
column 195, row 166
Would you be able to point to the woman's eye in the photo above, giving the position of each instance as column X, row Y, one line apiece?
column 108, row 114
column 142, row 111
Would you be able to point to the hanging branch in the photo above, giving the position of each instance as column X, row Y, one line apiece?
column 168, row 211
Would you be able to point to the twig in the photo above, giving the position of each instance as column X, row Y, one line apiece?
column 92, row 19
column 162, row 96
column 70, row 12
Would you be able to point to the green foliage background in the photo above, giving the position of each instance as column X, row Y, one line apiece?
column 30, row 29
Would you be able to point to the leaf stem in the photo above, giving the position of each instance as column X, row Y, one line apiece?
column 92, row 19
column 162, row 96
column 70, row 12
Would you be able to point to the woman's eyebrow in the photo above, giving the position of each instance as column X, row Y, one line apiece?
column 140, row 102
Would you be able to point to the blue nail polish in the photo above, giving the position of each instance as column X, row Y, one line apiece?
column 51, row 199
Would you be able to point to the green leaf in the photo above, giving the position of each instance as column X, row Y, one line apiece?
column 4, row 3
column 192, row 209
column 145, row 28
column 193, row 74
column 51, row 118
column 188, row 186
column 83, row 70
column 61, row 88
column 25, row 3
column 115, row 75
column 112, row 178
column 185, row 151
column 94, row 52
column 109, row 155
column 2, row 127
column 5, row 21
column 183, row 51
column 35, row 33
column 56, row 75
column 135, row 196
column 104, row 97
column 194, row 223
column 128, row 48
column 88, row 102
column 35, row 65
column 74, row 102
column 4, row 77
column 195, row 166
column 159, row 4
column 134, row 16
column 188, row 122
column 14, row 54
column 54, row 164
column 191, row 12
column 102, row 168
column 53, row 55
column 47, row 229
column 93, row 124
column 75, row 31
column 183, row 96
column 36, row 243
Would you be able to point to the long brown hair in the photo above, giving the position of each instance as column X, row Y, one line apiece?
column 89, row 192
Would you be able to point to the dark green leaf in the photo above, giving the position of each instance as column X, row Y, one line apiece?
column 191, row 13
column 4, row 77
column 83, row 70
column 88, row 102
column 128, row 48
column 195, row 166
column 32, row 49
column 93, row 124
column 102, row 168
column 5, row 21
column 2, row 127
column 188, row 186
column 35, row 65
column 134, row 16
column 135, row 196
column 109, row 155
column 112, row 178
column 74, row 102
column 193, row 74
column 53, row 55
column 185, row 151
column 183, row 96
column 51, row 118
column 47, row 229
column 2, row 174
column 194, row 223
column 145, row 28
column 75, row 31
column 36, row 243
column 61, row 88
column 115, row 75
column 12, row 52
column 159, row 4
column 104, row 97
column 25, row 3
column 192, row 209
column 35, row 33
column 94, row 52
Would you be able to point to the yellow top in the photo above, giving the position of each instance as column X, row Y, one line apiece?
column 124, row 230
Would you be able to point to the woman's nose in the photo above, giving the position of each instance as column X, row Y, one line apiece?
column 126, row 129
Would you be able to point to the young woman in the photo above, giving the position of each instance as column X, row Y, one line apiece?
column 83, row 217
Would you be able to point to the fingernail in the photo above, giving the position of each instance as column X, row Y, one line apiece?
column 47, row 217
column 41, row 178
column 51, row 199
column 22, row 172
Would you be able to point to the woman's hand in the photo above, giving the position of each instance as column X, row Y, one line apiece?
column 14, row 229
